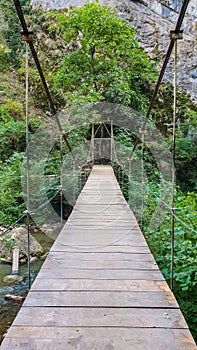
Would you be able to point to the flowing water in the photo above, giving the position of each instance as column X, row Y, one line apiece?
column 9, row 309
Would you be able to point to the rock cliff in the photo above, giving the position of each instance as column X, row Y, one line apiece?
column 153, row 20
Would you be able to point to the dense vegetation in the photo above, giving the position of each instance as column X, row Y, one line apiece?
column 89, row 54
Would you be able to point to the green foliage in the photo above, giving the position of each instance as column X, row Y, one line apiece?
column 10, row 88
column 12, row 138
column 35, row 84
column 186, row 132
column 12, row 128
column 50, row 49
column 12, row 115
column 11, row 30
column 11, row 110
column 9, row 242
column 185, row 258
column 11, row 197
column 104, row 60
column 90, row 54
column 4, row 51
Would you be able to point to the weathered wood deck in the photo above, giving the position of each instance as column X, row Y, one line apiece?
column 100, row 288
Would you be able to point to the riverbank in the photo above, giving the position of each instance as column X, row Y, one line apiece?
column 9, row 309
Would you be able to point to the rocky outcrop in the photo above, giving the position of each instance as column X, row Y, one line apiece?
column 12, row 279
column 153, row 20
column 18, row 237
column 153, row 23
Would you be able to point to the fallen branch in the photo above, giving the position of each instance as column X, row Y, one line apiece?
column 15, row 298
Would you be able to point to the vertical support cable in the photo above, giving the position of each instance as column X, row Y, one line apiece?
column 74, row 187
column 173, row 165
column 112, row 140
column 80, row 179
column 92, row 141
column 142, row 170
column 27, row 166
column 178, row 32
column 61, row 183
column 101, row 141
column 122, row 178
column 129, row 172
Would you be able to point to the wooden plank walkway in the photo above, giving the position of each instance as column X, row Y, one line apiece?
column 100, row 288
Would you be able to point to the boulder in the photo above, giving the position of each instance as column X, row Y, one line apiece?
column 43, row 257
column 18, row 237
column 13, row 279
column 51, row 230
column 33, row 259
column 6, row 260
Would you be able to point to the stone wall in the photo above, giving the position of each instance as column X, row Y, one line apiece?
column 153, row 20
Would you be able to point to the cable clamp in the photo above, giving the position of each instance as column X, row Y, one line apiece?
column 29, row 36
column 176, row 35
column 142, row 131
column 27, row 212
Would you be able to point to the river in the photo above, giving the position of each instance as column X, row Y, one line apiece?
column 9, row 309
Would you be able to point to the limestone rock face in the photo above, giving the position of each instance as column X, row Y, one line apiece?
column 153, row 20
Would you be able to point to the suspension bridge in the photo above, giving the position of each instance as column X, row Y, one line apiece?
column 100, row 287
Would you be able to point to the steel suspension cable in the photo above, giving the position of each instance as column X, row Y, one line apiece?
column 61, row 182
column 75, row 183
column 170, row 209
column 173, row 165
column 163, row 69
column 45, row 203
column 10, row 227
column 142, row 170
column 42, row 77
column 27, row 163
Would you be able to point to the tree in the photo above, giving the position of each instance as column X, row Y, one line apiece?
column 11, row 28
column 104, row 60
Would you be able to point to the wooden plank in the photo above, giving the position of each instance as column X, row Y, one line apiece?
column 15, row 261
column 148, row 275
column 99, row 265
column 104, row 219
column 79, row 285
column 113, row 224
column 86, row 338
column 107, row 229
column 101, row 299
column 102, row 210
column 99, row 238
column 100, row 287
column 89, row 240
column 101, row 215
column 104, row 200
column 100, row 317
column 101, row 256
column 57, row 247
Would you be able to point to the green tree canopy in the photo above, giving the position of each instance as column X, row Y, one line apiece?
column 104, row 60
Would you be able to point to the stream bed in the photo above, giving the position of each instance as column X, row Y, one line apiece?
column 9, row 309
